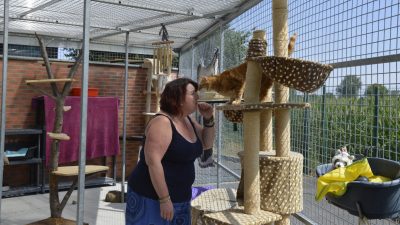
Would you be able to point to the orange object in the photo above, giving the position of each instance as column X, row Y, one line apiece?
column 92, row 92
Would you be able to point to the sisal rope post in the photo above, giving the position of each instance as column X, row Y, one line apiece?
column 265, row 115
column 266, row 125
column 282, row 117
column 251, row 123
column 280, row 27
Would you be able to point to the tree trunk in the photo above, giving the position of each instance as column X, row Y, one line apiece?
column 55, row 209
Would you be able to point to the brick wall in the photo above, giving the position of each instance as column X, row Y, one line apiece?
column 109, row 79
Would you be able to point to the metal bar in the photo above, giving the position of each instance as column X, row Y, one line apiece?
column 145, row 20
column 3, row 95
column 181, row 20
column 303, row 218
column 43, row 156
column 192, row 64
column 169, row 35
column 114, row 163
column 368, row 61
column 84, row 101
column 63, row 42
column 39, row 8
column 306, row 119
column 231, row 172
column 221, row 52
column 156, row 9
column 38, row 166
column 58, row 22
column 221, row 21
column 375, row 124
column 124, row 118
column 323, row 124
column 220, row 120
column 219, row 145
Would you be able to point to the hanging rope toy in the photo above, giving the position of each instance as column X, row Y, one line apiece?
column 163, row 32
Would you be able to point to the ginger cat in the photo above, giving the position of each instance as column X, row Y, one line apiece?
column 230, row 83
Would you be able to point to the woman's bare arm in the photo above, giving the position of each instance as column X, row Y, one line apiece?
column 155, row 147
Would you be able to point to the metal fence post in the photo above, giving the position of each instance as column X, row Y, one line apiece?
column 306, row 126
column 220, row 119
column 323, row 127
column 375, row 124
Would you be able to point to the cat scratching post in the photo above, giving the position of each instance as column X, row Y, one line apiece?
column 266, row 125
column 266, row 118
column 251, row 123
column 282, row 117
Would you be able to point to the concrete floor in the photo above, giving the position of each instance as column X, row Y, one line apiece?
column 31, row 208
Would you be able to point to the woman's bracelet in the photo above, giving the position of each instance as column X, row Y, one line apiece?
column 208, row 122
column 164, row 199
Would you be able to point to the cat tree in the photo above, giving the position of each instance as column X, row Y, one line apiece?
column 56, row 171
column 272, row 180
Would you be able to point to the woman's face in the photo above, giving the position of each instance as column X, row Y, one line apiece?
column 190, row 101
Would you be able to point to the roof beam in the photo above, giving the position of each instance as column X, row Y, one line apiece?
column 42, row 20
column 157, row 9
column 156, row 34
column 40, row 7
column 145, row 27
column 222, row 21
column 181, row 20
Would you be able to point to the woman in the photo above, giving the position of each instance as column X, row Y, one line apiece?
column 159, row 188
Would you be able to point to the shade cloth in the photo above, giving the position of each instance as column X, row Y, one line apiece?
column 102, row 126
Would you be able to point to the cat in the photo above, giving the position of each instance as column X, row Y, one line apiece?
column 230, row 83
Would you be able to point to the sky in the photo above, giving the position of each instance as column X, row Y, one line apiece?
column 338, row 31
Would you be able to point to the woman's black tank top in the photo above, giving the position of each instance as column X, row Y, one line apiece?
column 178, row 164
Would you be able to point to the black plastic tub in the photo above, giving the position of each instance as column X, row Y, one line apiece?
column 375, row 200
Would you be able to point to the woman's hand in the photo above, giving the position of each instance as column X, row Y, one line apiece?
column 205, row 109
column 167, row 210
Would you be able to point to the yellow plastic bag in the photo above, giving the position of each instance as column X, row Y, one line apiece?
column 335, row 182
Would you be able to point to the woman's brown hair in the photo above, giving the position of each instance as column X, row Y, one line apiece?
column 174, row 94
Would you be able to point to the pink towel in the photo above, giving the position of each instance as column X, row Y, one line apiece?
column 102, row 127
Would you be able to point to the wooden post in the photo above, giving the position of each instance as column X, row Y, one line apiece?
column 150, row 65
column 282, row 117
column 251, row 123
column 154, row 60
column 158, row 61
column 169, row 59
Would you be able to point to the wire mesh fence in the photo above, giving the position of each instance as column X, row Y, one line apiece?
column 358, row 107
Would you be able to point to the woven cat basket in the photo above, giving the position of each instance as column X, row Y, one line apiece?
column 281, row 184
column 299, row 74
column 219, row 206
column 234, row 116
